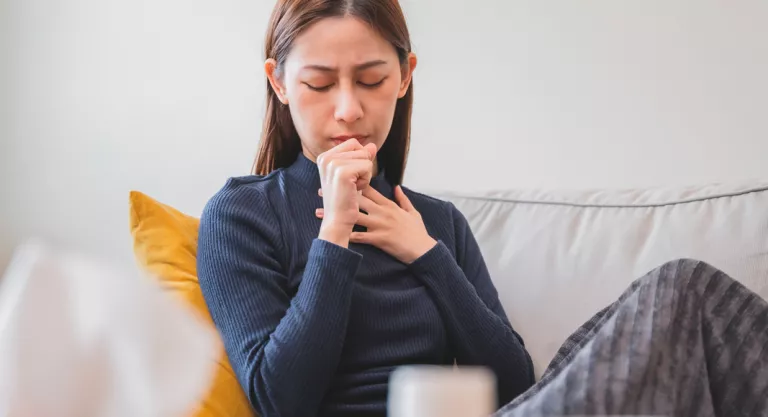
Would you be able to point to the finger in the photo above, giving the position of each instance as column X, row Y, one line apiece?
column 362, row 169
column 356, row 154
column 346, row 146
column 371, row 148
column 320, row 192
column 367, row 238
column 368, row 205
column 366, row 220
column 319, row 213
column 349, row 145
column 359, row 169
column 402, row 200
column 376, row 196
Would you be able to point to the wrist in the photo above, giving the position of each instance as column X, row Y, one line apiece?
column 422, row 249
column 335, row 233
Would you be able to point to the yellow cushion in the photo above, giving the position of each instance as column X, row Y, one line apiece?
column 165, row 245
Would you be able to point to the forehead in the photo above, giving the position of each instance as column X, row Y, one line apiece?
column 340, row 41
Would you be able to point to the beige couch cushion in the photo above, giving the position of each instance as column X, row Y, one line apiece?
column 558, row 257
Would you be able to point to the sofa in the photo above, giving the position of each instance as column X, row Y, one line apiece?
column 557, row 257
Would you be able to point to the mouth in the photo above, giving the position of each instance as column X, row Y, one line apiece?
column 339, row 139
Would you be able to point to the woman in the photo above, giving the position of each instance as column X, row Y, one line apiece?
column 323, row 274
column 317, row 307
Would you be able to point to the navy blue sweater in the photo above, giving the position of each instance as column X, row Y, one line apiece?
column 312, row 328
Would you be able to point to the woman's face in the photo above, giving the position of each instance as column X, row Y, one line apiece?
column 341, row 80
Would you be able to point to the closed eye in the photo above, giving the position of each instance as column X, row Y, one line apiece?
column 320, row 88
column 374, row 85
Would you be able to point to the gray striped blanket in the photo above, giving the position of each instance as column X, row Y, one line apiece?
column 685, row 340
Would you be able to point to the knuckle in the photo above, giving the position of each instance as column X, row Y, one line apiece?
column 342, row 170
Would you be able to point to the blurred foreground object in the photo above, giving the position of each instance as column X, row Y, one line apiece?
column 79, row 339
column 441, row 391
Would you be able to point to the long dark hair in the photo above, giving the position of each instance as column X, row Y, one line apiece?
column 280, row 144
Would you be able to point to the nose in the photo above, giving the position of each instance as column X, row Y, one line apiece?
column 348, row 106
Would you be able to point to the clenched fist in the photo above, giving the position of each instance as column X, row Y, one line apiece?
column 345, row 171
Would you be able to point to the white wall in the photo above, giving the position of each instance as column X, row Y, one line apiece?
column 5, row 135
column 166, row 96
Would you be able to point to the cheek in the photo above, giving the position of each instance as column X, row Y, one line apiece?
column 308, row 109
column 382, row 105
column 309, row 102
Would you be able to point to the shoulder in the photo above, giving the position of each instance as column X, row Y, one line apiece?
column 243, row 197
column 240, row 219
column 446, row 222
column 427, row 202
column 445, row 210
column 442, row 219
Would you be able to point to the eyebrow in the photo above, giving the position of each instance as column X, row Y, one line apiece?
column 359, row 67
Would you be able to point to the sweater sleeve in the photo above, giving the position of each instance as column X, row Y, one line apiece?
column 474, row 316
column 284, row 345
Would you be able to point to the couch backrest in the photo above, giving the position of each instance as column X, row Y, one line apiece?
column 558, row 257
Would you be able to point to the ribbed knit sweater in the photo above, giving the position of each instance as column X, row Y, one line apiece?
column 315, row 329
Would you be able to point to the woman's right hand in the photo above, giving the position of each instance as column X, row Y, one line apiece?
column 345, row 170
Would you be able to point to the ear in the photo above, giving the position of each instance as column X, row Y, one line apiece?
column 407, row 74
column 270, row 68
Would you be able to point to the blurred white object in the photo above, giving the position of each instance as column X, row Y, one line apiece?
column 441, row 391
column 78, row 340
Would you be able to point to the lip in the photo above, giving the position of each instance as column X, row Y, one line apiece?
column 349, row 136
column 338, row 139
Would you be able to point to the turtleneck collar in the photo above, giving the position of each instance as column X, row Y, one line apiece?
column 305, row 172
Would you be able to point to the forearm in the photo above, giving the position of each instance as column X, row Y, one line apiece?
column 291, row 347
column 480, row 335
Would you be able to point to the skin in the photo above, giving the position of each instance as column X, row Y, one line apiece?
column 341, row 82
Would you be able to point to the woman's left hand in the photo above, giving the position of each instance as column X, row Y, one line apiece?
column 395, row 228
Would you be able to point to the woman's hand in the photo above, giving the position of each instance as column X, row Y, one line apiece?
column 397, row 229
column 344, row 171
